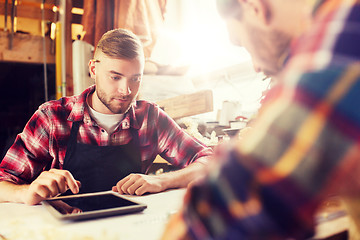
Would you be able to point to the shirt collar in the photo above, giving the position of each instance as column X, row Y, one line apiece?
column 80, row 111
column 130, row 117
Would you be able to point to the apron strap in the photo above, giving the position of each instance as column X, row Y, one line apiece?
column 72, row 141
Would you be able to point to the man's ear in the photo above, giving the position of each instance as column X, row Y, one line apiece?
column 259, row 10
column 92, row 68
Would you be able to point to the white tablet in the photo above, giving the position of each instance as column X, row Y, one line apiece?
column 91, row 205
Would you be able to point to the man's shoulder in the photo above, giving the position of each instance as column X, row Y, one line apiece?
column 64, row 104
column 67, row 103
column 336, row 84
column 144, row 104
column 327, row 77
column 144, row 109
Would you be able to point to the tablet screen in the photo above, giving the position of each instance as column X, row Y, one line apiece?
column 87, row 204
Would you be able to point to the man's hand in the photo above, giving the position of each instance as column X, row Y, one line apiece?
column 139, row 184
column 50, row 184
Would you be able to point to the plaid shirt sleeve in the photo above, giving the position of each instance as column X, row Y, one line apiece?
column 30, row 152
column 177, row 146
column 269, row 185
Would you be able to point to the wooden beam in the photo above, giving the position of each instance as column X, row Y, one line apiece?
column 53, row 2
column 26, row 48
column 29, row 11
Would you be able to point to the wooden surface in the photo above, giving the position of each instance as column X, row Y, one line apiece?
column 188, row 104
column 19, row 221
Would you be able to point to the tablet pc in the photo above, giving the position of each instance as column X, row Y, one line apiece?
column 91, row 205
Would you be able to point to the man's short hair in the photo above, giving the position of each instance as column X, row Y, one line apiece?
column 229, row 8
column 120, row 43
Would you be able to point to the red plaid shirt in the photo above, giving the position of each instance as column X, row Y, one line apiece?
column 44, row 139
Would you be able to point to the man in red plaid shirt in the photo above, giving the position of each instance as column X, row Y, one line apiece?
column 102, row 139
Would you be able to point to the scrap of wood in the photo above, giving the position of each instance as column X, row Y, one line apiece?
column 188, row 104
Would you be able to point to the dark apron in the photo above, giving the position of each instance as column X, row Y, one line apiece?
column 98, row 168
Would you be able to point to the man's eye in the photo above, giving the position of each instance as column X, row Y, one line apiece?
column 136, row 79
column 115, row 78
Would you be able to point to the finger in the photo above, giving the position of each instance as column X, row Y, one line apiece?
column 124, row 183
column 39, row 190
column 69, row 179
column 47, row 186
column 61, row 185
column 131, row 181
column 71, row 182
column 78, row 183
column 131, row 189
column 141, row 190
column 114, row 189
column 119, row 185
column 118, row 189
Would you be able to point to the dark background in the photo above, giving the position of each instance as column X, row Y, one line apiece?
column 22, row 92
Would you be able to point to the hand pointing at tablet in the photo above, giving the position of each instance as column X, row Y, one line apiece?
column 48, row 184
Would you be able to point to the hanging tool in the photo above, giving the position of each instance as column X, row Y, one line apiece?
column 11, row 36
column 6, row 13
column 43, row 22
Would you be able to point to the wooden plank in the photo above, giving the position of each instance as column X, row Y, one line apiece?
column 26, row 48
column 35, row 1
column 48, row 3
column 188, row 104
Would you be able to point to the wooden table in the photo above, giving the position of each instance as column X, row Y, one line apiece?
column 20, row 222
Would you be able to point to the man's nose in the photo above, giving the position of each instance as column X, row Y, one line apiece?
column 124, row 87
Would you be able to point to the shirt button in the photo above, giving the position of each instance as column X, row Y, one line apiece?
column 125, row 125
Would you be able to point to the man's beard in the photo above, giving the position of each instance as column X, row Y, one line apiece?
column 107, row 103
column 273, row 50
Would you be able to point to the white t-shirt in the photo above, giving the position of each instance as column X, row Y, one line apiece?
column 107, row 121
